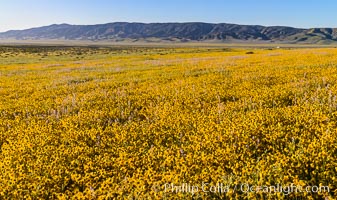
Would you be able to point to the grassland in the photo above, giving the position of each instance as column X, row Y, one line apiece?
column 100, row 123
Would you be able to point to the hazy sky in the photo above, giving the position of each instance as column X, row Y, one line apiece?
column 21, row 14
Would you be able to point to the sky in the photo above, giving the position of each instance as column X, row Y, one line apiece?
column 22, row 14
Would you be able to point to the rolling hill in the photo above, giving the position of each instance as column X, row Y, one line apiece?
column 176, row 32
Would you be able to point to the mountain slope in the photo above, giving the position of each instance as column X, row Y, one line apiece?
column 176, row 32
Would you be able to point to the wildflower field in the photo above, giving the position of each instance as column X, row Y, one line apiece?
column 132, row 122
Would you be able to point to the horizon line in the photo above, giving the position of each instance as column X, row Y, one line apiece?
column 178, row 22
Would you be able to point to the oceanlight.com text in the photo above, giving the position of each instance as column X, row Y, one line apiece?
column 244, row 187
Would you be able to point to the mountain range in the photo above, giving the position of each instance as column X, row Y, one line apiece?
column 176, row 32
